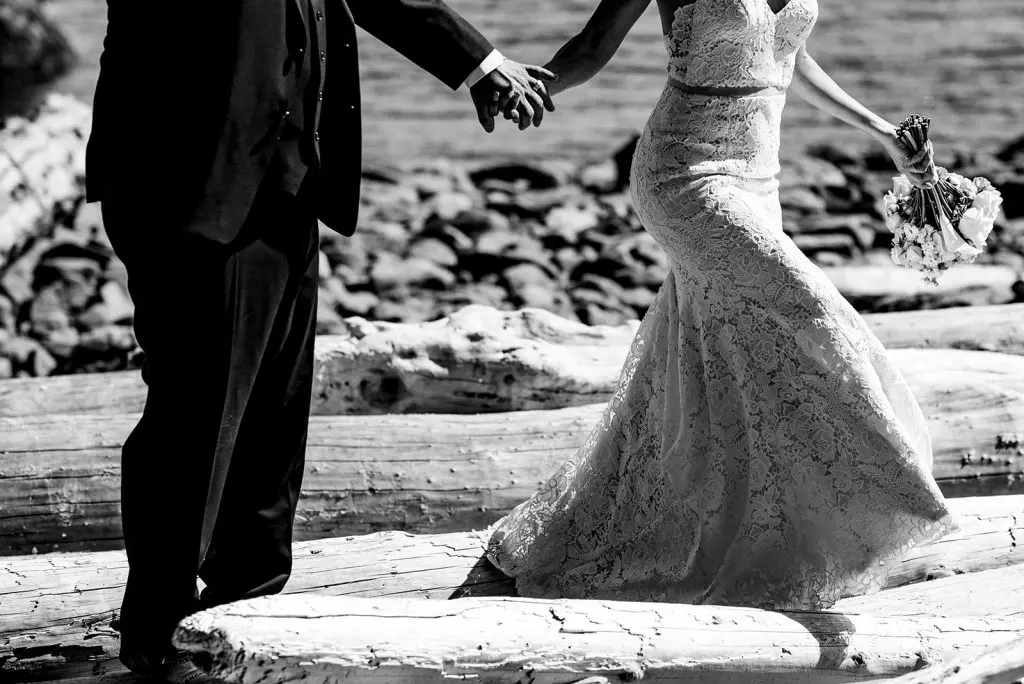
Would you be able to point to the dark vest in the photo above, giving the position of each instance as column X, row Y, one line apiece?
column 298, row 149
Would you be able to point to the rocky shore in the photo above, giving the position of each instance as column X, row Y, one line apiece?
column 438, row 235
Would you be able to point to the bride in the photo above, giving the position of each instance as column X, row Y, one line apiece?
column 761, row 448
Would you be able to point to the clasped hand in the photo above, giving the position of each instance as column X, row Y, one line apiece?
column 919, row 167
column 518, row 91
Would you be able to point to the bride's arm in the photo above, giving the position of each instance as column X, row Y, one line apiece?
column 590, row 50
column 814, row 85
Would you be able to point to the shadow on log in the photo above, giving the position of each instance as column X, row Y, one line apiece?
column 57, row 609
column 482, row 360
column 331, row 638
column 60, row 475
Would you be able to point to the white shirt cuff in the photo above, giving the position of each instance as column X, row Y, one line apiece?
column 490, row 63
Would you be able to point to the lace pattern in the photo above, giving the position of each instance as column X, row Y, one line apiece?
column 737, row 43
column 761, row 448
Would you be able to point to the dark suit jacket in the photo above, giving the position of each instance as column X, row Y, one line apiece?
column 191, row 95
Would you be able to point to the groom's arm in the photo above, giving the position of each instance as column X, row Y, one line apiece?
column 431, row 35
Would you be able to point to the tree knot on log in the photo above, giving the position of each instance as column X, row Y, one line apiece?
column 382, row 389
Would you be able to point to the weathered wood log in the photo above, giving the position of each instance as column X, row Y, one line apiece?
column 997, row 328
column 60, row 475
column 56, row 609
column 1003, row 664
column 880, row 287
column 481, row 360
column 332, row 638
column 478, row 360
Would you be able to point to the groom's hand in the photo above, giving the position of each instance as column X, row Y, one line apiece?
column 519, row 91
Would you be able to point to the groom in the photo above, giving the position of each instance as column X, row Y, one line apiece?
column 221, row 132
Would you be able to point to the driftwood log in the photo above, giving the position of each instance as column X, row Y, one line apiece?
column 481, row 360
column 60, row 475
column 1003, row 664
column 56, row 610
column 330, row 638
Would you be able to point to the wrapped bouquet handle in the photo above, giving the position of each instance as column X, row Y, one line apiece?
column 935, row 228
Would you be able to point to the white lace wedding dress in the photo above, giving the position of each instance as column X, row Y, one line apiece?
column 761, row 448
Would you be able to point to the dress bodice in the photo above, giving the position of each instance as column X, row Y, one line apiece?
column 737, row 43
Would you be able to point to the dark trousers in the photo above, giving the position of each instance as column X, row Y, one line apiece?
column 211, row 473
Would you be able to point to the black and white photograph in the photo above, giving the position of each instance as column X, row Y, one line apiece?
column 511, row 342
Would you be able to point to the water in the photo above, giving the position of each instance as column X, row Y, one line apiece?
column 961, row 62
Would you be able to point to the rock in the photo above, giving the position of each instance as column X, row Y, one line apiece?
column 1011, row 151
column 1012, row 190
column 47, row 312
column 811, row 172
column 601, row 177
column 33, row 51
column 109, row 338
column 531, row 176
column 835, row 243
column 551, row 299
column 379, row 236
column 862, row 229
column 352, row 252
column 449, row 235
column 464, row 294
column 113, row 308
column 6, row 368
column 525, row 275
column 595, row 314
column 328, row 322
column 358, row 303
column 391, row 272
column 29, row 357
column 837, row 154
column 16, row 279
column 435, row 250
column 623, row 159
column 825, row 258
column 437, row 176
column 7, row 315
column 801, row 199
column 415, row 309
column 61, row 342
column 389, row 203
column 640, row 298
column 568, row 223
column 510, row 248
column 42, row 170
column 535, row 203
column 448, row 205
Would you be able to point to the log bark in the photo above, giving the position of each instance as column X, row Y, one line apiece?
column 331, row 638
column 481, row 360
column 1003, row 664
column 57, row 609
column 60, row 475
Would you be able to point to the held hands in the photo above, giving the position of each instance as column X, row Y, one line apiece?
column 919, row 168
column 518, row 91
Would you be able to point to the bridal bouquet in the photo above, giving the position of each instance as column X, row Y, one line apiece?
column 935, row 228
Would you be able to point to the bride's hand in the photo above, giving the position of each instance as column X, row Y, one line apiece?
column 919, row 168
